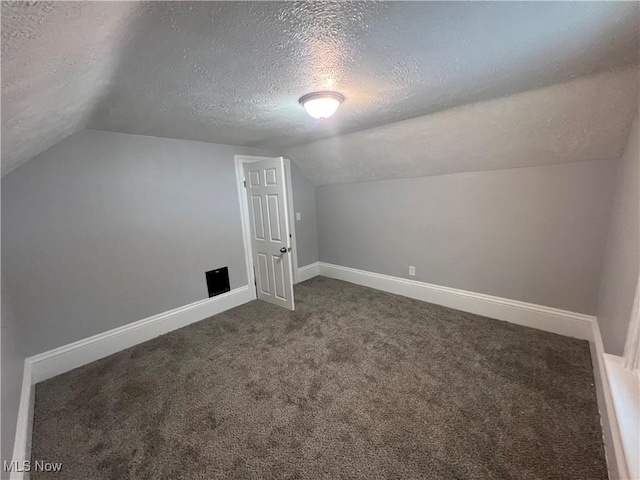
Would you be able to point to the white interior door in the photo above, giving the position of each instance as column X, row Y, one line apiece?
column 269, row 223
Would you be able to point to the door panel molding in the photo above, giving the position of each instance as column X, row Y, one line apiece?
column 267, row 181
column 269, row 226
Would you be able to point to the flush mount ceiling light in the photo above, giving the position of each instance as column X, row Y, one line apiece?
column 321, row 104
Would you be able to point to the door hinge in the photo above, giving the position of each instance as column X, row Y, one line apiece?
column 244, row 182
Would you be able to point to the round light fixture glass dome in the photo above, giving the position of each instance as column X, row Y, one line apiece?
column 321, row 104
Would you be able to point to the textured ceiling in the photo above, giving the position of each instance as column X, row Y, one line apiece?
column 57, row 61
column 586, row 119
column 232, row 72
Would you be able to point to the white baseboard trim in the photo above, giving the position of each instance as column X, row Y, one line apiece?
column 63, row 359
column 549, row 319
column 74, row 355
column 308, row 271
column 624, row 385
column 613, row 446
column 577, row 325
column 24, row 424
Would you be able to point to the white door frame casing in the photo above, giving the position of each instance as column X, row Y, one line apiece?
column 292, row 219
column 240, row 161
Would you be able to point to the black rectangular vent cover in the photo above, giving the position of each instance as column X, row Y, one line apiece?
column 218, row 281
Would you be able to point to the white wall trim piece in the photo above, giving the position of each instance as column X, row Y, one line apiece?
column 308, row 271
column 292, row 221
column 43, row 366
column 24, row 424
column 60, row 360
column 553, row 320
column 624, row 385
column 74, row 355
column 611, row 432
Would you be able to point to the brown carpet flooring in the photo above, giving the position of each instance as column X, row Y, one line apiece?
column 355, row 383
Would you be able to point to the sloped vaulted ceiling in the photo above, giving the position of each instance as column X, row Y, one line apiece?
column 232, row 72
column 586, row 119
column 57, row 63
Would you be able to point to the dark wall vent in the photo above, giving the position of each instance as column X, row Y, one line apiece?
column 218, row 281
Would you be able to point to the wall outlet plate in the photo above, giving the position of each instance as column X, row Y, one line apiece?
column 412, row 270
column 298, row 216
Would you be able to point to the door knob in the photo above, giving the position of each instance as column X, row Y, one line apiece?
column 283, row 250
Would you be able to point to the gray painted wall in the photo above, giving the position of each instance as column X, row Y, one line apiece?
column 530, row 234
column 12, row 368
column 622, row 263
column 304, row 200
column 104, row 229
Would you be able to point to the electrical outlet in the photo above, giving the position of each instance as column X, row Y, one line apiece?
column 412, row 271
column 298, row 216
